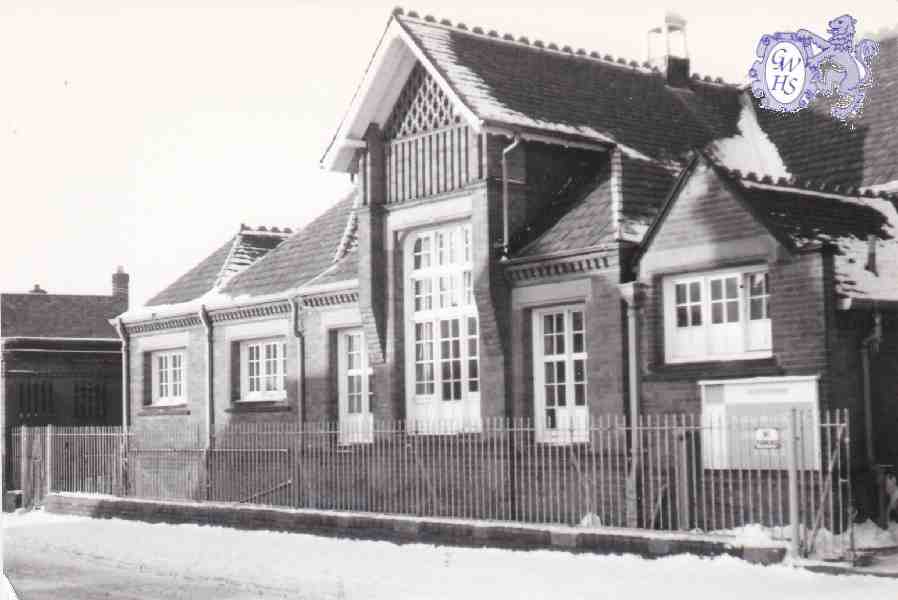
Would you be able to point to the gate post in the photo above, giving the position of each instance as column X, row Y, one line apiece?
column 25, row 468
column 682, row 470
column 794, row 544
column 48, row 449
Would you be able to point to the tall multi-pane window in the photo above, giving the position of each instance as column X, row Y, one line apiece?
column 719, row 315
column 355, row 379
column 559, row 362
column 443, row 328
column 168, row 377
column 265, row 369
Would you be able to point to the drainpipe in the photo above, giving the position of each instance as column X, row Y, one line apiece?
column 870, row 345
column 126, row 373
column 505, row 152
column 632, row 295
column 296, row 317
column 210, row 376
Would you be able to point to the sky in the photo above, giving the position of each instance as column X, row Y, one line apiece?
column 143, row 134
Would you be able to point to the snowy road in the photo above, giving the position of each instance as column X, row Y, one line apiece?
column 50, row 556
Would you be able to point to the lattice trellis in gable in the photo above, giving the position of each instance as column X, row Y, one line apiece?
column 422, row 106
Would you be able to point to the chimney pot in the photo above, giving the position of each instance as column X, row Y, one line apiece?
column 37, row 289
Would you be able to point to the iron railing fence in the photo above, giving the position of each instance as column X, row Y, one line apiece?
column 787, row 475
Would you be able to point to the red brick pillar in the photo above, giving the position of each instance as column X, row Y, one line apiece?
column 372, row 271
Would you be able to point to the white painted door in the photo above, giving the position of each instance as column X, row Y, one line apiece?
column 559, row 374
column 355, row 388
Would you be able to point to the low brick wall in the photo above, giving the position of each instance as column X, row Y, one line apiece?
column 411, row 529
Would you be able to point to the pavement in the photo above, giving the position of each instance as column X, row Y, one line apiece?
column 38, row 570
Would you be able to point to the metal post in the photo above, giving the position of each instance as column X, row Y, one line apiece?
column 48, row 449
column 25, row 469
column 793, row 481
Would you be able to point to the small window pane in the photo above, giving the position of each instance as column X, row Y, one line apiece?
column 732, row 311
column 756, row 309
column 716, row 289
column 695, row 291
column 579, row 394
column 695, row 312
column 717, row 313
column 682, row 317
column 732, row 287
column 680, row 293
column 550, row 418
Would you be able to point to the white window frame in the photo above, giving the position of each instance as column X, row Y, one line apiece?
column 355, row 426
column 261, row 370
column 726, row 339
column 571, row 418
column 442, row 265
column 169, row 373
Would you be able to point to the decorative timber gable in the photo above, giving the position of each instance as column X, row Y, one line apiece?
column 422, row 106
column 428, row 148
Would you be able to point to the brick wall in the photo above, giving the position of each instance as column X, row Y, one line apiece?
column 193, row 340
column 709, row 228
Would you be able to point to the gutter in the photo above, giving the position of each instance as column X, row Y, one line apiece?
column 126, row 373
column 505, row 152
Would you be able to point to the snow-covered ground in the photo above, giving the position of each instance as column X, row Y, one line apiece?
column 320, row 567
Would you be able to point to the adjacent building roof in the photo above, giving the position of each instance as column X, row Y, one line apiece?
column 235, row 256
column 861, row 229
column 59, row 315
column 815, row 146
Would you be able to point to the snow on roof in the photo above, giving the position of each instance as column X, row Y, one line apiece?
column 324, row 247
column 858, row 224
column 572, row 93
column 245, row 248
column 750, row 149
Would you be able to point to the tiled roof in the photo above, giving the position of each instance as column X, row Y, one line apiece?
column 644, row 187
column 847, row 223
column 58, row 315
column 586, row 217
column 533, row 86
column 238, row 253
column 300, row 258
column 584, row 222
column 816, row 146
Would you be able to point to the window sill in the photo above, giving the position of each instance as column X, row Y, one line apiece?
column 160, row 410
column 755, row 367
column 258, row 406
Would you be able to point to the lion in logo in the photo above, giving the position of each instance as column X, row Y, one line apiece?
column 841, row 67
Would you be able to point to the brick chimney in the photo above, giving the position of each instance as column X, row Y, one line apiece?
column 674, row 63
column 120, row 284
column 677, row 72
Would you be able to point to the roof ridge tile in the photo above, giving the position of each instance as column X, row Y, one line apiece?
column 537, row 43
column 806, row 184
